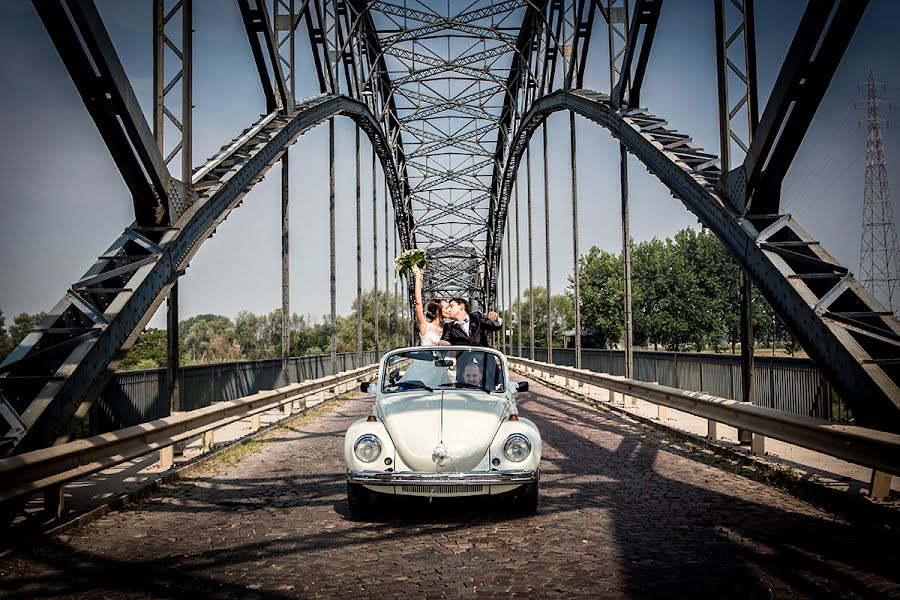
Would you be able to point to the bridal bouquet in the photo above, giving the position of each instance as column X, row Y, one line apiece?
column 409, row 259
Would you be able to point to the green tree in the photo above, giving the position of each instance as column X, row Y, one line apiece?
column 196, row 334
column 149, row 352
column 4, row 338
column 562, row 317
column 602, row 297
column 22, row 324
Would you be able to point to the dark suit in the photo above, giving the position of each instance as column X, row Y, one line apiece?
column 478, row 330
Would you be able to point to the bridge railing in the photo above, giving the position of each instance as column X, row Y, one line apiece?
column 133, row 397
column 877, row 450
column 791, row 385
column 49, row 469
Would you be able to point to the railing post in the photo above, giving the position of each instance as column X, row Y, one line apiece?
column 255, row 422
column 209, row 440
column 880, row 485
column 55, row 498
column 166, row 458
column 712, row 429
column 757, row 444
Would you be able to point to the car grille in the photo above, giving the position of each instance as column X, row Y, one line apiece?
column 442, row 489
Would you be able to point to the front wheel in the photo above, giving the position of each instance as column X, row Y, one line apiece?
column 525, row 500
column 361, row 501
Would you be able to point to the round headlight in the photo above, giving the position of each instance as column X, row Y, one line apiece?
column 517, row 447
column 367, row 448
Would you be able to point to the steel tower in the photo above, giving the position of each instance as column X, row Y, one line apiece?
column 878, row 262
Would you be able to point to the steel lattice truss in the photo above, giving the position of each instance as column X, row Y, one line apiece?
column 448, row 65
column 449, row 94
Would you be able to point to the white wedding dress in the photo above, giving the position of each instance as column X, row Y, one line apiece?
column 432, row 335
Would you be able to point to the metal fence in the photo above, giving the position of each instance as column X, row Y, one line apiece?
column 134, row 397
column 793, row 385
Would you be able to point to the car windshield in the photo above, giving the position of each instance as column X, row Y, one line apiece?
column 434, row 369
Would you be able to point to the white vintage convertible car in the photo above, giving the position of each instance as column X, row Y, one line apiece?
column 444, row 423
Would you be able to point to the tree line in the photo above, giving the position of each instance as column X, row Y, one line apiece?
column 685, row 296
column 211, row 338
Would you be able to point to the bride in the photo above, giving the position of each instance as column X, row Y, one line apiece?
column 429, row 320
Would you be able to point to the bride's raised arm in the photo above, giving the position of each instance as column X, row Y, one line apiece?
column 420, row 311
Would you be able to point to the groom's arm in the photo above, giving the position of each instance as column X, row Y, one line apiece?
column 445, row 332
column 490, row 324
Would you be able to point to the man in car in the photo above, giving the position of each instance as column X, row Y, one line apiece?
column 472, row 374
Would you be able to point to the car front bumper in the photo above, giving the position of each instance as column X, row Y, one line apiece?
column 511, row 477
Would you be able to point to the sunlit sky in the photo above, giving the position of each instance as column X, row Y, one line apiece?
column 64, row 202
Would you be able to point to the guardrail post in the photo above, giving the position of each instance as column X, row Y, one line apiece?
column 288, row 407
column 758, row 444
column 55, row 497
column 166, row 458
column 712, row 429
column 880, row 486
column 662, row 412
column 255, row 422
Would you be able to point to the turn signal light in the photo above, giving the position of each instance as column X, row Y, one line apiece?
column 513, row 417
column 371, row 419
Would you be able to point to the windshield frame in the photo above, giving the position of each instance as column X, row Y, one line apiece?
column 454, row 379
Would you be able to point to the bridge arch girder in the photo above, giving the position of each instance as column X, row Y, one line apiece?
column 60, row 368
column 846, row 331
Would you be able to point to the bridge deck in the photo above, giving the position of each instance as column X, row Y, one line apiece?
column 624, row 512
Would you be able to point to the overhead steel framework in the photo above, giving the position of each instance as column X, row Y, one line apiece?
column 449, row 95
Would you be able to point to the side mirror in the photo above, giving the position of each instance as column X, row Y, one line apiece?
column 364, row 387
column 522, row 386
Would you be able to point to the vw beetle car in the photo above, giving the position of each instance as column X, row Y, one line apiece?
column 444, row 423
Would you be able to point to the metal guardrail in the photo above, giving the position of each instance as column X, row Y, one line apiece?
column 792, row 385
column 48, row 468
column 878, row 450
column 134, row 397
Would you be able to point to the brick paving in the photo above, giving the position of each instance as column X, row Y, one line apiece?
column 624, row 513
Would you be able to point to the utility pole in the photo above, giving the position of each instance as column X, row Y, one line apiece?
column 879, row 266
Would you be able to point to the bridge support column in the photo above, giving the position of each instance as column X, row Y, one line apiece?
column 530, row 254
column 576, row 267
column 285, row 273
column 880, row 485
column 549, row 320
column 332, row 244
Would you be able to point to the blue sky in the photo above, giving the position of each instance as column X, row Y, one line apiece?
column 64, row 201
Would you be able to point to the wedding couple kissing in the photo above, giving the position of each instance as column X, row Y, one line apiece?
column 443, row 323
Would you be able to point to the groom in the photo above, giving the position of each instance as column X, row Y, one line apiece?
column 468, row 329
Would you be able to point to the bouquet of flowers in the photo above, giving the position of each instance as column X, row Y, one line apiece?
column 409, row 259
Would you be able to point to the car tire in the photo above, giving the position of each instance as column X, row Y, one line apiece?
column 361, row 501
column 525, row 501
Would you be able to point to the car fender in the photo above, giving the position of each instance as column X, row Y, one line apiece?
column 360, row 428
column 507, row 428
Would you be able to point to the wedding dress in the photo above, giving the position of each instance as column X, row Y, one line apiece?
column 432, row 335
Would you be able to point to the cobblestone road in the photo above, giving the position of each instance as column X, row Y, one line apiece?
column 624, row 512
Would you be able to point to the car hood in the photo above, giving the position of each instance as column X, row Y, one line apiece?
column 446, row 431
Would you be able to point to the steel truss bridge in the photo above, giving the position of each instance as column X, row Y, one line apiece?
column 449, row 94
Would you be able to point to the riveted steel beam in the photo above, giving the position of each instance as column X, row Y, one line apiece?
column 855, row 348
column 819, row 44
column 59, row 369
column 87, row 52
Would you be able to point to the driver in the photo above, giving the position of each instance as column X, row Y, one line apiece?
column 472, row 374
